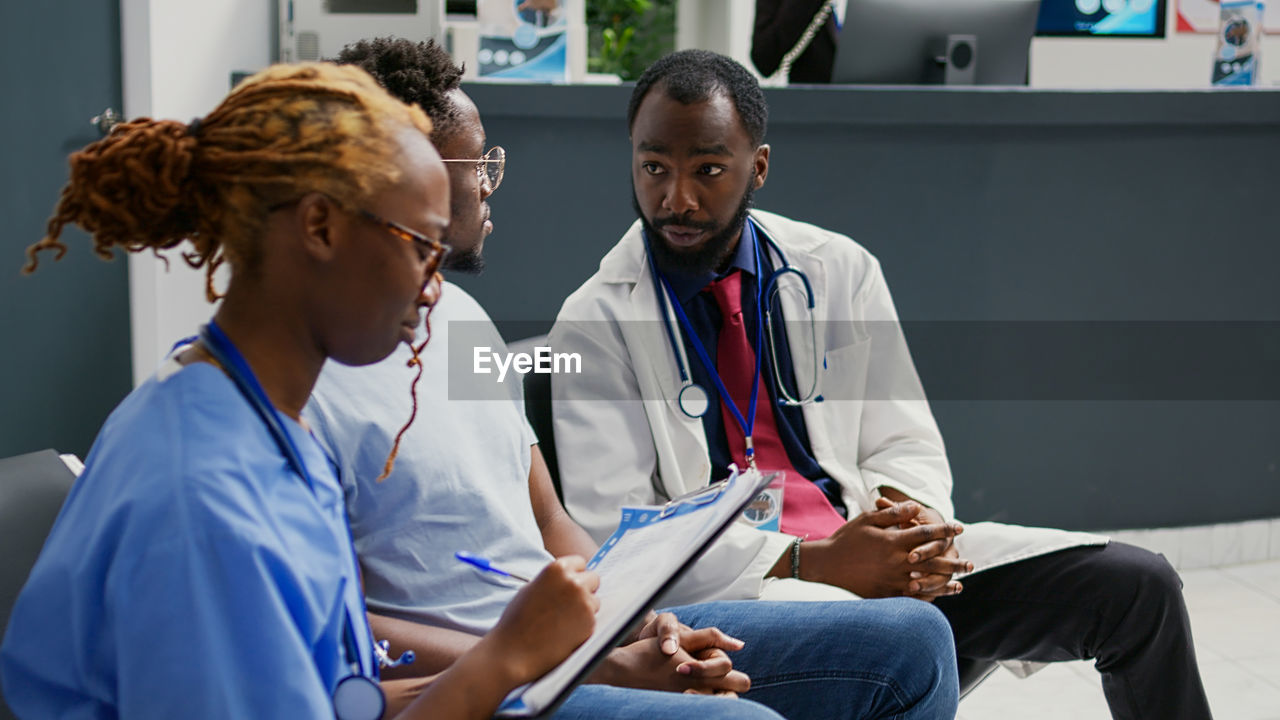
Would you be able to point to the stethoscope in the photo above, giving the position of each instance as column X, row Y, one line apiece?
column 692, row 398
column 357, row 696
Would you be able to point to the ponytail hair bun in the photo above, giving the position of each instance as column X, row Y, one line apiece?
column 282, row 133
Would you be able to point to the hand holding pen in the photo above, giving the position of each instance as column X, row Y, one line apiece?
column 688, row 660
column 548, row 619
column 483, row 564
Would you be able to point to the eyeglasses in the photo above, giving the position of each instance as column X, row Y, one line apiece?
column 433, row 251
column 488, row 168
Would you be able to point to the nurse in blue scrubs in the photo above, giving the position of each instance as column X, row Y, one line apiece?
column 202, row 565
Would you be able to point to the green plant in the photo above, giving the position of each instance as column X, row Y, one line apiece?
column 625, row 36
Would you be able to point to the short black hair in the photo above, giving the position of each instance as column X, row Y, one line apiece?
column 690, row 76
column 420, row 73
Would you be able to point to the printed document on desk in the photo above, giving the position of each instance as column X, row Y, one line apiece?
column 643, row 557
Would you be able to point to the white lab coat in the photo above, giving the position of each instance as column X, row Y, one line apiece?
column 621, row 438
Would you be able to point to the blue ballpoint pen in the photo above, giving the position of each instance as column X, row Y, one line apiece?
column 484, row 564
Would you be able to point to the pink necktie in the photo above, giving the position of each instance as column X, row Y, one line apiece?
column 806, row 511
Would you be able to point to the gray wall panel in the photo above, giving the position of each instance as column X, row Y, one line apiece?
column 987, row 205
column 66, row 328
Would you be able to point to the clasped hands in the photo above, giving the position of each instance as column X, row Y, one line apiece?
column 668, row 655
column 901, row 548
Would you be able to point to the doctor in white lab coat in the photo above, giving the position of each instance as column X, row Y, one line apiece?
column 697, row 122
column 622, row 438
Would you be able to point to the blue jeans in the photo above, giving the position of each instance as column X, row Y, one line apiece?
column 891, row 658
column 860, row 659
column 595, row 702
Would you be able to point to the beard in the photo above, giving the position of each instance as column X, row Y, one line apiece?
column 708, row 257
column 470, row 262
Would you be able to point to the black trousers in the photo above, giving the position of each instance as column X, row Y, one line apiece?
column 1119, row 605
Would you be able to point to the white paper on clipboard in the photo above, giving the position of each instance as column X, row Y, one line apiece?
column 643, row 557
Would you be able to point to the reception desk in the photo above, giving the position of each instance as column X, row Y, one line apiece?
column 997, row 214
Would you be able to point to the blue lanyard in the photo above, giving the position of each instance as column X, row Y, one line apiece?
column 746, row 424
column 237, row 368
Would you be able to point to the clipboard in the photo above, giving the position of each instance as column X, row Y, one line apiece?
column 651, row 548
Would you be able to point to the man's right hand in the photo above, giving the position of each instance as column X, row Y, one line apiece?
column 868, row 554
column 698, row 665
column 548, row 619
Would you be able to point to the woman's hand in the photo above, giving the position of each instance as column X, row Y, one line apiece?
column 548, row 619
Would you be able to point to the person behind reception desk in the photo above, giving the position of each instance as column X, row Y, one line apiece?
column 779, row 26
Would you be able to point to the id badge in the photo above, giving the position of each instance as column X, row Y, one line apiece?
column 765, row 510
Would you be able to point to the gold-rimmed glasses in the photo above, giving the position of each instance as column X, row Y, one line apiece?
column 434, row 252
column 488, row 168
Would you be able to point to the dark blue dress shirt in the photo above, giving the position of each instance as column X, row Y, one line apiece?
column 705, row 318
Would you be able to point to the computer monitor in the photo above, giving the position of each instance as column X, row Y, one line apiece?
column 1109, row 18
column 902, row 42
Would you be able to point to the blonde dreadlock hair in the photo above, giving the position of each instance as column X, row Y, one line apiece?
column 282, row 133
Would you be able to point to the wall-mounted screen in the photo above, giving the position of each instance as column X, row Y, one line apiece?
column 351, row 7
column 1110, row 18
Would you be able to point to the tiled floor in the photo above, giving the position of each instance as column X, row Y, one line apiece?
column 1235, row 615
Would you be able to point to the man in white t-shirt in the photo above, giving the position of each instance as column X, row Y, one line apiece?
column 469, row 476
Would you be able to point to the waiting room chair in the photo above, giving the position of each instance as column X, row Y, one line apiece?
column 32, row 488
column 537, row 407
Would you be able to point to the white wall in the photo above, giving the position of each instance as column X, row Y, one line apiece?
column 720, row 25
column 178, row 58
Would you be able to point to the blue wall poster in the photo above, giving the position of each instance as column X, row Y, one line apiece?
column 523, row 40
column 1235, row 62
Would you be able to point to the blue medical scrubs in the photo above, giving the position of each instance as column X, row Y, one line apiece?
column 191, row 572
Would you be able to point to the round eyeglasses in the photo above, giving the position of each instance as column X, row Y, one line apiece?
column 489, row 168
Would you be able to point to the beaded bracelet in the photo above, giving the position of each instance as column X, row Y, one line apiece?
column 795, row 558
